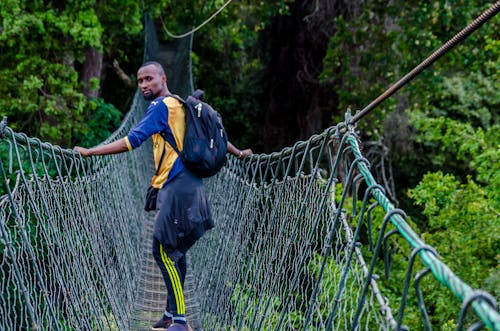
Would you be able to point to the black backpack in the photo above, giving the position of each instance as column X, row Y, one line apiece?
column 205, row 140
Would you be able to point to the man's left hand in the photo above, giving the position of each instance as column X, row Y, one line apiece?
column 245, row 153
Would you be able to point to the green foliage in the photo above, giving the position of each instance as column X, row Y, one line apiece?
column 357, row 60
column 372, row 50
column 103, row 119
column 40, row 90
column 464, row 228
column 460, row 202
column 44, row 48
column 470, row 98
column 476, row 151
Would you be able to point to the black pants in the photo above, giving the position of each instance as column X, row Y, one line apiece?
column 174, row 271
column 183, row 217
column 174, row 274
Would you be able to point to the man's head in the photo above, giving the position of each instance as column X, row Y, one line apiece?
column 152, row 80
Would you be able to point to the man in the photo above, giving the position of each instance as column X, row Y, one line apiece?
column 181, row 197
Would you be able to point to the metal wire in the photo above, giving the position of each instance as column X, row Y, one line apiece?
column 459, row 37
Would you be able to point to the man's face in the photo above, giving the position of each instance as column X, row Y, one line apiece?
column 151, row 82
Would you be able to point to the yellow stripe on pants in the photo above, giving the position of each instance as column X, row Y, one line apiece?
column 175, row 280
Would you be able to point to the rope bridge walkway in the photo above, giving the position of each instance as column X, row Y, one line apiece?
column 303, row 241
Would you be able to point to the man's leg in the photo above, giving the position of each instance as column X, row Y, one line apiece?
column 182, row 265
column 173, row 278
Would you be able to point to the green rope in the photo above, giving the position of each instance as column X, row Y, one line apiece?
column 443, row 274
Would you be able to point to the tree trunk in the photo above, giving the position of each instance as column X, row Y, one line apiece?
column 91, row 68
column 299, row 105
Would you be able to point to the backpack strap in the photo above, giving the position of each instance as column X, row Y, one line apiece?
column 167, row 138
column 171, row 142
column 159, row 163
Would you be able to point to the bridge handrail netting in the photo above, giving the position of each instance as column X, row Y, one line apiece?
column 291, row 254
column 70, row 233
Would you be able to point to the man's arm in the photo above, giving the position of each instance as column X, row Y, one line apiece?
column 240, row 154
column 115, row 147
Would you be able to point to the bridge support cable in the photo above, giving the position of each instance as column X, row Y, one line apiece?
column 459, row 37
column 193, row 30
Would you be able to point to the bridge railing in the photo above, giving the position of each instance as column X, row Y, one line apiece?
column 306, row 239
column 69, row 234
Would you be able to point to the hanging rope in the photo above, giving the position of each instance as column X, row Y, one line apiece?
column 198, row 27
column 476, row 24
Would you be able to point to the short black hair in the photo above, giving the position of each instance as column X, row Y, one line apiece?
column 154, row 63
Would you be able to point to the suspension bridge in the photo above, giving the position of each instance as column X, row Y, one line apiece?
column 302, row 240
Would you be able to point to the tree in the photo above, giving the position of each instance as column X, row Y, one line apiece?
column 54, row 59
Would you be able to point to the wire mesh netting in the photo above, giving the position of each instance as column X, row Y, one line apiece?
column 70, row 234
column 302, row 239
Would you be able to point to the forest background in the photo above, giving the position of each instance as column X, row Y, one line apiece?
column 280, row 71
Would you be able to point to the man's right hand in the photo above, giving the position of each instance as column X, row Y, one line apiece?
column 83, row 151
column 118, row 146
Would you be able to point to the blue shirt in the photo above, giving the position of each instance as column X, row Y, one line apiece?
column 163, row 114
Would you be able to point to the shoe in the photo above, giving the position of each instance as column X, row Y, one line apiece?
column 162, row 324
column 179, row 327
